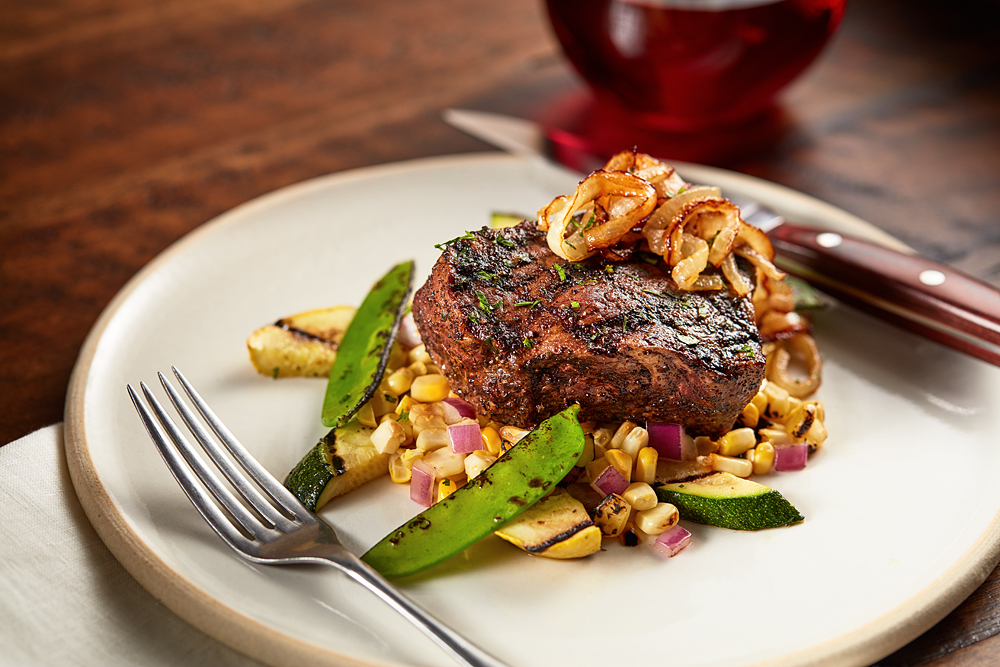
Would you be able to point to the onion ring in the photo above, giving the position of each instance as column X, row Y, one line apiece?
column 778, row 360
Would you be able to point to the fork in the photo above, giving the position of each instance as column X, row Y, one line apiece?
column 273, row 527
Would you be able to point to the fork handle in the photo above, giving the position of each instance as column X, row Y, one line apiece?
column 459, row 648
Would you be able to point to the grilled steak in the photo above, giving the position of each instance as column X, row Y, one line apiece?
column 521, row 334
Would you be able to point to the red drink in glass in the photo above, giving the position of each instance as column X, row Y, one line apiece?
column 692, row 64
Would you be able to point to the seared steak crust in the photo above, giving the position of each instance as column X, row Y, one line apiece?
column 522, row 334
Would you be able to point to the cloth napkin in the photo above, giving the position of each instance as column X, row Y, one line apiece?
column 64, row 599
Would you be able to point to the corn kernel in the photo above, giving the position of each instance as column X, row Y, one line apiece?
column 445, row 462
column 399, row 382
column 640, row 496
column 763, row 458
column 776, row 435
column 612, row 515
column 397, row 356
column 734, row 466
column 737, row 441
column 587, row 454
column 759, row 400
column 418, row 368
column 512, row 434
column 621, row 461
column 705, row 445
column 816, row 435
column 777, row 401
column 800, row 420
column 382, row 403
column 447, row 486
column 429, row 388
column 432, row 369
column 476, row 462
column 399, row 472
column 419, row 353
column 602, row 437
column 431, row 439
column 628, row 537
column 405, row 405
column 491, row 441
column 645, row 465
column 636, row 439
column 619, row 437
column 367, row 416
column 387, row 438
column 424, row 422
column 657, row 519
column 750, row 415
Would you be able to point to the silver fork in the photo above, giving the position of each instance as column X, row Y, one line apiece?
column 276, row 528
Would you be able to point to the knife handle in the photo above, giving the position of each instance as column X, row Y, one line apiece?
column 930, row 297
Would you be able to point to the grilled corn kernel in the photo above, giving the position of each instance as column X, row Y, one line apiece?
column 602, row 437
column 476, row 462
column 759, row 400
column 383, row 403
column 445, row 462
column 750, row 415
column 816, row 435
column 640, row 496
column 399, row 382
column 619, row 437
column 777, row 401
column 399, row 472
column 431, row 439
column 621, row 461
column 738, row 467
column 388, row 437
column 645, row 465
column 737, row 441
column 429, row 388
column 423, row 422
column 657, row 519
column 612, row 515
column 763, row 458
column 367, row 416
column 776, row 435
column 705, row 445
column 491, row 441
column 636, row 439
column 628, row 536
column 800, row 420
column 419, row 353
column 418, row 368
column 512, row 434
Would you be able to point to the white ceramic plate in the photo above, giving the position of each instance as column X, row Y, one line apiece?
column 901, row 505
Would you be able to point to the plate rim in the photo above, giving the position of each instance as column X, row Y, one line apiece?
column 878, row 638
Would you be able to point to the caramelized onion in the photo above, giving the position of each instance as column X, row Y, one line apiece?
column 779, row 359
column 666, row 218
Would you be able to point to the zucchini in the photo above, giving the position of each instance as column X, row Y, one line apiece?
column 724, row 500
column 555, row 527
column 301, row 345
column 343, row 460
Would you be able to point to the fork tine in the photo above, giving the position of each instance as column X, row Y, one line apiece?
column 186, row 474
column 267, row 482
column 272, row 517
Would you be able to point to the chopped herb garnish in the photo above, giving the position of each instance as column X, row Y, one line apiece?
column 442, row 246
column 624, row 322
column 403, row 417
column 702, row 311
column 593, row 219
column 609, row 269
column 483, row 275
column 748, row 349
column 687, row 340
column 574, row 304
column 474, row 317
column 527, row 304
column 389, row 398
column 274, row 373
column 560, row 270
column 483, row 303
column 659, row 294
column 528, row 343
column 445, row 482
column 499, row 240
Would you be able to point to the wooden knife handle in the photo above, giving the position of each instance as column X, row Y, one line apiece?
column 893, row 281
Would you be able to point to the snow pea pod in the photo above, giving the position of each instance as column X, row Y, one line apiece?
column 518, row 479
column 365, row 348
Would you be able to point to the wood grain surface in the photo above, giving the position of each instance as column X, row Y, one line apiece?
column 125, row 125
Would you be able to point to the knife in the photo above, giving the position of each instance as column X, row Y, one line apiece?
column 905, row 289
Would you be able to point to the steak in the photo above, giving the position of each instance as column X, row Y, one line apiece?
column 522, row 334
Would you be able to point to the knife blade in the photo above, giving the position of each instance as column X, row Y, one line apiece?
column 910, row 291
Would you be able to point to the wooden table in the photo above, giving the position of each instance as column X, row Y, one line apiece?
column 125, row 125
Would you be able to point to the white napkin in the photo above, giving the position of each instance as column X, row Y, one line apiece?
column 64, row 599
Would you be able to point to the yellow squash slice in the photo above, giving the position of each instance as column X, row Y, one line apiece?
column 302, row 345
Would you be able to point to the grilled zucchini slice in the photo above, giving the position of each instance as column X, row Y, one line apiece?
column 301, row 345
column 557, row 526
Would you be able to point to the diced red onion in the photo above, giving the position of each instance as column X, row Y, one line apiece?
column 422, row 484
column 456, row 409
column 465, row 437
column 409, row 335
column 610, row 480
column 672, row 541
column 670, row 441
column 791, row 457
